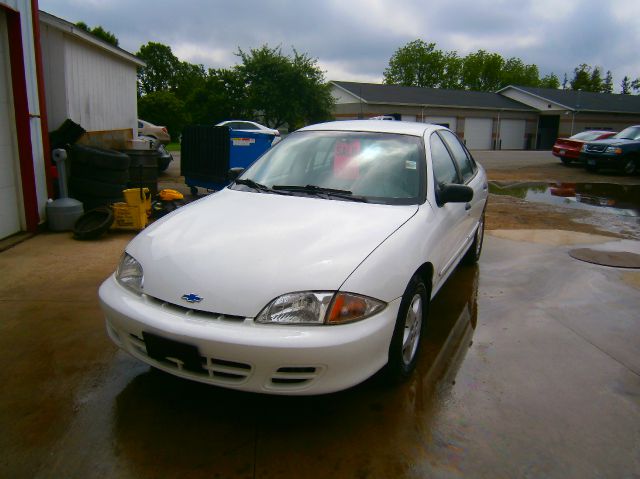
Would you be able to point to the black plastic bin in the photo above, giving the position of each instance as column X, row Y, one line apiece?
column 143, row 169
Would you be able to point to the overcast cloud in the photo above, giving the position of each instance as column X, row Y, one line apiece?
column 354, row 39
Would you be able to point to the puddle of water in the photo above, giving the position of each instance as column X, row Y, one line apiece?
column 621, row 200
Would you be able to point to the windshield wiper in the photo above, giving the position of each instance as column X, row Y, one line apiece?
column 320, row 191
column 257, row 186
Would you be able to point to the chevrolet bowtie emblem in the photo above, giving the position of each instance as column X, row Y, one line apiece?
column 192, row 298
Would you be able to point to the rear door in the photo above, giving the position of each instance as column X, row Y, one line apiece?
column 450, row 216
column 469, row 174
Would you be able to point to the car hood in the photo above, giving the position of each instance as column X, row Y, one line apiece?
column 239, row 250
column 613, row 142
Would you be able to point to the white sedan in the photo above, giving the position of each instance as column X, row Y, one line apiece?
column 251, row 126
column 313, row 270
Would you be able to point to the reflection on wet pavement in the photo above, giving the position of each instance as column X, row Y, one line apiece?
column 622, row 200
column 529, row 369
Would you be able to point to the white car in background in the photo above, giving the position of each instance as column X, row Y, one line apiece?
column 251, row 126
column 313, row 270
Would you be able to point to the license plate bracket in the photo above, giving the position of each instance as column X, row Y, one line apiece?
column 167, row 350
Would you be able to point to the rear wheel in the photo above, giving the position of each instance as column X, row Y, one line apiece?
column 408, row 332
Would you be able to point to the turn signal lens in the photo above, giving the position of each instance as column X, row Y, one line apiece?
column 348, row 307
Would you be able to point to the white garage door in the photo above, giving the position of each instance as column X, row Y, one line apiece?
column 512, row 134
column 448, row 121
column 9, row 206
column 477, row 133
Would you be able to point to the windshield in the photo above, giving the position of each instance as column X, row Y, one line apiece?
column 381, row 167
column 588, row 135
column 631, row 133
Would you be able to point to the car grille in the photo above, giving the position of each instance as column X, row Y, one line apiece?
column 216, row 370
column 596, row 148
column 193, row 313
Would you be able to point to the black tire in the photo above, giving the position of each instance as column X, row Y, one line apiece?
column 472, row 255
column 630, row 166
column 99, row 157
column 96, row 189
column 565, row 161
column 104, row 175
column 194, row 190
column 407, row 335
column 591, row 168
column 93, row 224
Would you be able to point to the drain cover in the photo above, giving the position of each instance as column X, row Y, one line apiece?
column 617, row 259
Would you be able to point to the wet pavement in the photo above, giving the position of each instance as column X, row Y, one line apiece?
column 531, row 368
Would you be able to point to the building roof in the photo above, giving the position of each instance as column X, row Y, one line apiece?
column 78, row 32
column 583, row 100
column 404, row 95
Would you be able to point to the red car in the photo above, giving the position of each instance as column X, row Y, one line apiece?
column 568, row 149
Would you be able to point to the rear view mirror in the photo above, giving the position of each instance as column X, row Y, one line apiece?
column 233, row 173
column 449, row 193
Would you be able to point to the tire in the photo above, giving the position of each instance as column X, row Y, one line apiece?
column 99, row 157
column 96, row 189
column 409, row 330
column 93, row 224
column 591, row 168
column 472, row 255
column 194, row 191
column 104, row 175
column 630, row 166
column 565, row 161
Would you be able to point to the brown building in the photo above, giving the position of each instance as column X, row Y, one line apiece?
column 514, row 118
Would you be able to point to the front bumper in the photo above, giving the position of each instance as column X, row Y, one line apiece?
column 602, row 160
column 241, row 354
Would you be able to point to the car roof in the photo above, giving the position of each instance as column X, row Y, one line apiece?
column 398, row 127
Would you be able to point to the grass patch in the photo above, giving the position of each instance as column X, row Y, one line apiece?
column 173, row 147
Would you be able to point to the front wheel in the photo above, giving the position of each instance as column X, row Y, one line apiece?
column 565, row 161
column 409, row 329
column 629, row 166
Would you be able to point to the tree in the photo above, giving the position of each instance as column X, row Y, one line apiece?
column 515, row 72
column 597, row 85
column 99, row 32
column 164, row 108
column 161, row 71
column 550, row 81
column 222, row 96
column 565, row 81
column 635, row 85
column 607, row 86
column 482, row 71
column 282, row 89
column 416, row 64
column 581, row 78
column 188, row 78
column 625, row 86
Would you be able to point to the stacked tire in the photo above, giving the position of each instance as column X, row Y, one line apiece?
column 97, row 175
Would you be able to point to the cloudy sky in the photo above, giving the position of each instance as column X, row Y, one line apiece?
column 354, row 39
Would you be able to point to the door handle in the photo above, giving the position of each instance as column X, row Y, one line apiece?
column 467, row 206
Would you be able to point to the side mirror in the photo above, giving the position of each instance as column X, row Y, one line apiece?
column 454, row 194
column 233, row 173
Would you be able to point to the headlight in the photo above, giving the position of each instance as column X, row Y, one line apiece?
column 324, row 307
column 584, row 147
column 129, row 273
column 613, row 149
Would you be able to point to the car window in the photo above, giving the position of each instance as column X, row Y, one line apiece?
column 465, row 165
column 382, row 167
column 444, row 171
column 140, row 125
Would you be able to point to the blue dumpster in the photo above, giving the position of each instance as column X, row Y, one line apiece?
column 208, row 152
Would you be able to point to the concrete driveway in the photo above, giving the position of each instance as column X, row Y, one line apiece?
column 531, row 368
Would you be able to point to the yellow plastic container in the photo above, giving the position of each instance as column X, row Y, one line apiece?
column 138, row 196
column 128, row 217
